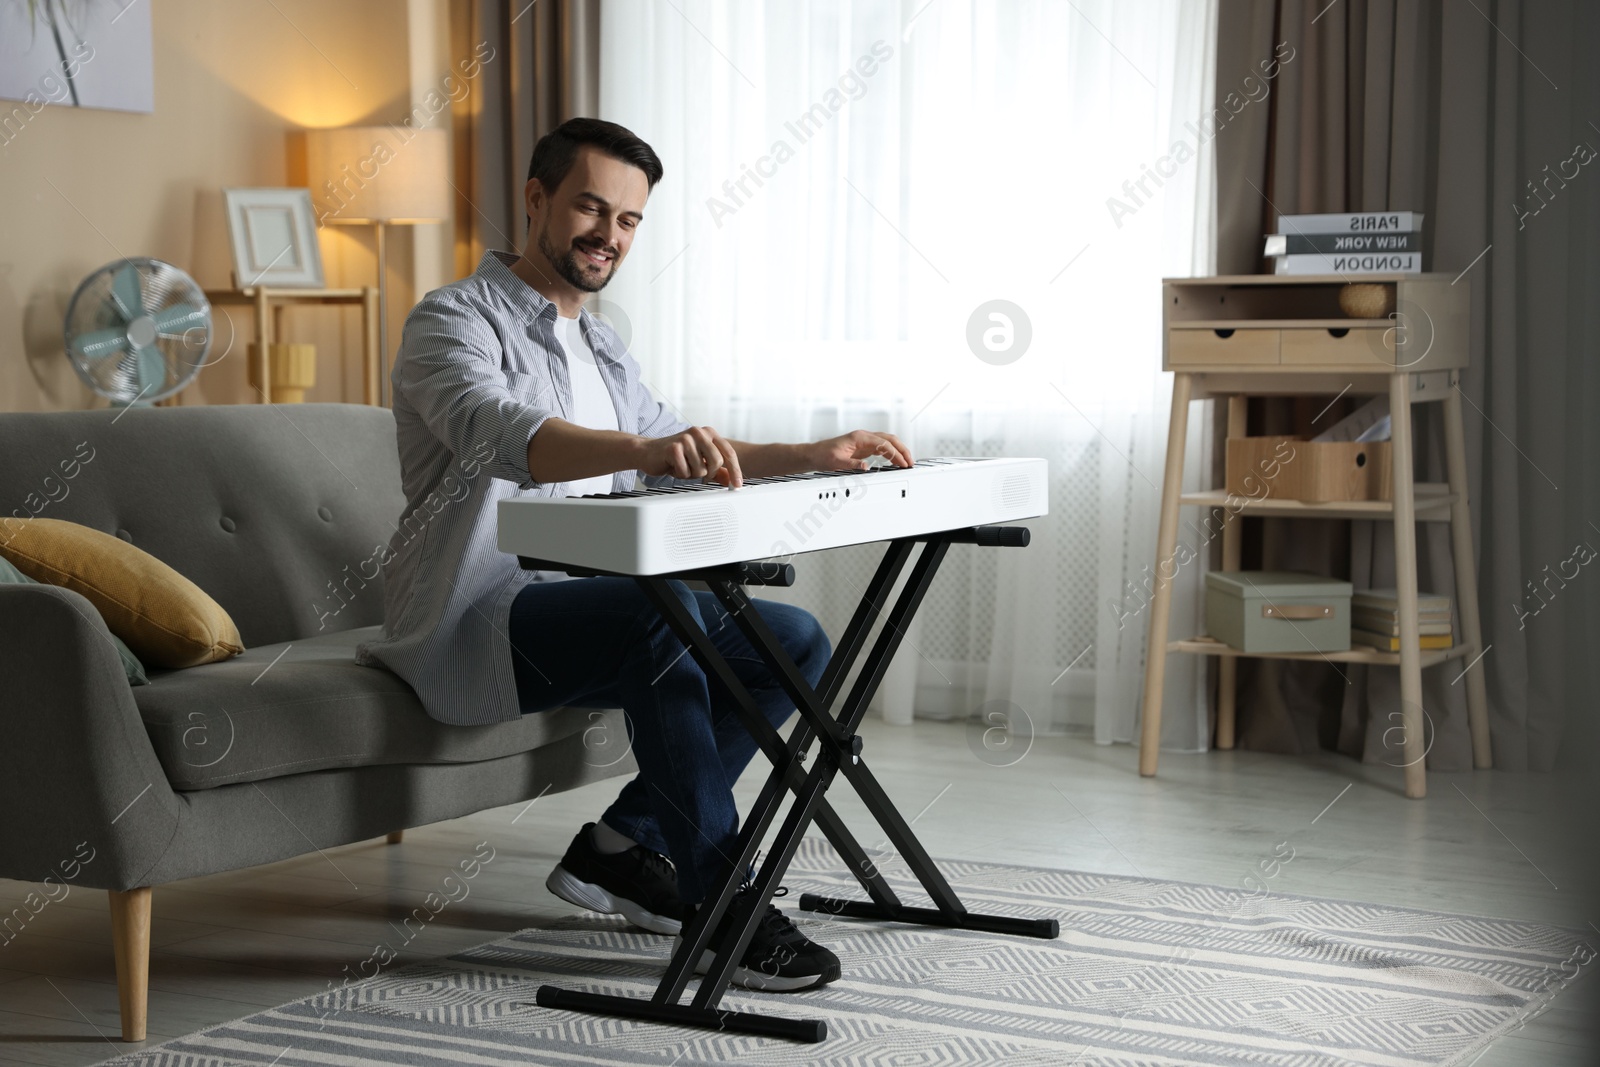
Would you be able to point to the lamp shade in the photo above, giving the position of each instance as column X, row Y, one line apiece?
column 365, row 174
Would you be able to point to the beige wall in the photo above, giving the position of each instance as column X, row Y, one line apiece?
column 81, row 188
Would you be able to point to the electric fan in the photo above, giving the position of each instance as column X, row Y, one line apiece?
column 138, row 330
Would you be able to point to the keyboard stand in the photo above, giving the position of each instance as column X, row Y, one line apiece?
column 823, row 717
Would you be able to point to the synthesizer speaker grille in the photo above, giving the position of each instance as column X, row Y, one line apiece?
column 694, row 532
column 1015, row 491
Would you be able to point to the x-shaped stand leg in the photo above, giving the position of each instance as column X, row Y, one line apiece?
column 839, row 750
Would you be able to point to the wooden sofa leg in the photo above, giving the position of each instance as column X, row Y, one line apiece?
column 130, row 936
column 397, row 837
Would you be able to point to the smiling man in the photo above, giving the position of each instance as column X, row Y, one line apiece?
column 504, row 385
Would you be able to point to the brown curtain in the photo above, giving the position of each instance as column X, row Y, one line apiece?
column 540, row 67
column 1457, row 110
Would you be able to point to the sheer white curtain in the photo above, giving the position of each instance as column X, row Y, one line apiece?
column 849, row 187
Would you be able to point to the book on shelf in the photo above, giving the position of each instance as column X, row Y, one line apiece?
column 1361, row 242
column 1388, row 643
column 1352, row 222
column 1349, row 263
column 1391, row 626
column 1391, row 614
column 1389, row 599
column 1299, row 244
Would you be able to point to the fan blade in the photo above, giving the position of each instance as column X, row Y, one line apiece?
column 179, row 317
column 127, row 293
column 152, row 368
column 97, row 344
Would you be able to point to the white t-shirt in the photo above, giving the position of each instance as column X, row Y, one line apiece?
column 591, row 403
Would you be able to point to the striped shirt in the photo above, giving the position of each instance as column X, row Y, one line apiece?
column 478, row 371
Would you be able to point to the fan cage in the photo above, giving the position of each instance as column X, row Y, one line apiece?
column 98, row 308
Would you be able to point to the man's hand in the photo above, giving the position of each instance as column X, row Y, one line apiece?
column 852, row 450
column 725, row 462
column 698, row 452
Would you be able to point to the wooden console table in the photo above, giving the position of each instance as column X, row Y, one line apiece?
column 269, row 305
column 1232, row 337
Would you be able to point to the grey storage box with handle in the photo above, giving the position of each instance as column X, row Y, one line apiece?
column 1278, row 611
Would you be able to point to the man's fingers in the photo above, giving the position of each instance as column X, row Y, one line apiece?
column 686, row 457
column 900, row 446
column 707, row 455
column 890, row 447
column 713, row 454
column 721, row 459
column 678, row 454
column 703, row 459
column 700, row 452
column 895, row 450
column 730, row 462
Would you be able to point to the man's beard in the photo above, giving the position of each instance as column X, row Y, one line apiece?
column 570, row 267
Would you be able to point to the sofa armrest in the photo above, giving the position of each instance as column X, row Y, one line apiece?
column 85, row 799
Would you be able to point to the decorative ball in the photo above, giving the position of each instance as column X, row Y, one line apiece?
column 1367, row 300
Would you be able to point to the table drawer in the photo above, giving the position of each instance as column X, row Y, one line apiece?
column 1360, row 345
column 1222, row 347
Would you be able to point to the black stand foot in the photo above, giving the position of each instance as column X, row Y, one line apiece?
column 743, row 1022
column 1048, row 929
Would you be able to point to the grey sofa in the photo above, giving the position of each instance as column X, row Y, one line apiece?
column 270, row 510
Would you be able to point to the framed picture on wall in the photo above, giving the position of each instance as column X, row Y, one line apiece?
column 83, row 53
column 274, row 237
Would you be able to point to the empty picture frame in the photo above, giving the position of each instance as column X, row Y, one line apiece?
column 274, row 236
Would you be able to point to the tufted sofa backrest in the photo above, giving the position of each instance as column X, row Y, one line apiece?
column 276, row 511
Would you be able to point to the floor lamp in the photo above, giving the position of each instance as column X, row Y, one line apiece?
column 379, row 176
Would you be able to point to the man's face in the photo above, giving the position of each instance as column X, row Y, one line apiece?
column 586, row 227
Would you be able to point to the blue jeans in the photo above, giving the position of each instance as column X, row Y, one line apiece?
column 598, row 643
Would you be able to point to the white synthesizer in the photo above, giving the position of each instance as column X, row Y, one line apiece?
column 701, row 524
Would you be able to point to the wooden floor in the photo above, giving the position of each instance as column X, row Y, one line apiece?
column 1488, row 843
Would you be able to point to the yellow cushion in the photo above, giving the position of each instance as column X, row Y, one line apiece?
column 166, row 619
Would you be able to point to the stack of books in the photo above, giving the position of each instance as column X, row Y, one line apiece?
column 1375, row 620
column 1369, row 242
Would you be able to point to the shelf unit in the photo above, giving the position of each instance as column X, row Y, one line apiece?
column 269, row 304
column 1231, row 337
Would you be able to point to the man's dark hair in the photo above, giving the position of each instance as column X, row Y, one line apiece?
column 556, row 151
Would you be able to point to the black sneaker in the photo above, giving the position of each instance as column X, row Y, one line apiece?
column 779, row 959
column 639, row 885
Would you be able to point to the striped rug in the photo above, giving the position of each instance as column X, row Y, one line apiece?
column 1145, row 972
